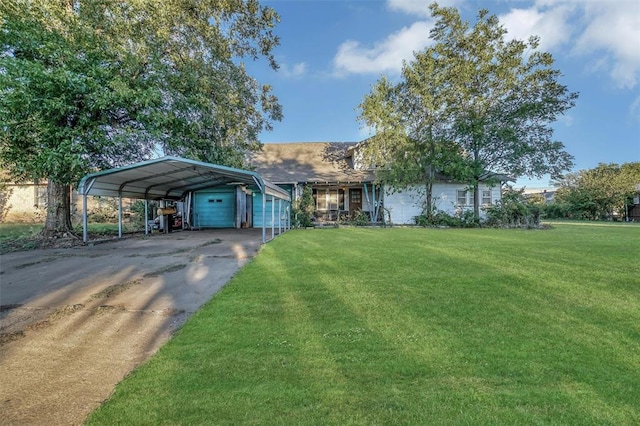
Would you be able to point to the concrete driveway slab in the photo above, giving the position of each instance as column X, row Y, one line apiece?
column 75, row 321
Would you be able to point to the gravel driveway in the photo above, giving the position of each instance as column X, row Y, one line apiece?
column 75, row 321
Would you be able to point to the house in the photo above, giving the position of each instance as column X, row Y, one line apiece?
column 339, row 189
column 342, row 187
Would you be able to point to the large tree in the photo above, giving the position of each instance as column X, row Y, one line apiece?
column 603, row 192
column 491, row 100
column 410, row 144
column 92, row 83
column 505, row 96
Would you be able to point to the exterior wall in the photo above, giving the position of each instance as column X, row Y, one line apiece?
column 406, row 205
column 24, row 203
column 28, row 203
column 272, row 210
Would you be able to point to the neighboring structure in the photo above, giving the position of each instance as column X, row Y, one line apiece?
column 23, row 202
column 634, row 209
column 26, row 202
column 547, row 193
column 341, row 188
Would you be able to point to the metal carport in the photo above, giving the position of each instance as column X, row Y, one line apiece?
column 172, row 178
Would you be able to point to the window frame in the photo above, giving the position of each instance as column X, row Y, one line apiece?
column 461, row 197
column 488, row 197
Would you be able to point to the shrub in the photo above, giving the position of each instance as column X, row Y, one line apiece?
column 303, row 209
column 513, row 211
column 460, row 219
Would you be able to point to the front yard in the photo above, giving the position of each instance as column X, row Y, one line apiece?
column 408, row 326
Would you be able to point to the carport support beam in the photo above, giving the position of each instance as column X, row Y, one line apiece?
column 120, row 216
column 279, row 216
column 264, row 217
column 146, row 217
column 85, row 235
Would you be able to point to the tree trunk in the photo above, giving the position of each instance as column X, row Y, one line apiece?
column 476, row 199
column 429, row 199
column 429, row 192
column 58, row 222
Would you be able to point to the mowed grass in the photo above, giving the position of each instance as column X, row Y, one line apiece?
column 408, row 326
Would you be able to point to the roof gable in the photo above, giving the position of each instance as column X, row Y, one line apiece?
column 307, row 162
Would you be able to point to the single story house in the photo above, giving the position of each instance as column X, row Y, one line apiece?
column 342, row 187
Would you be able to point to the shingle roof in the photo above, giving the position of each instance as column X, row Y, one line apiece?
column 307, row 162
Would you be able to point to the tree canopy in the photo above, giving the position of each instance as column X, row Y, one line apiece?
column 93, row 83
column 473, row 93
column 603, row 192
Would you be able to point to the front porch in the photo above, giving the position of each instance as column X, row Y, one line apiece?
column 343, row 202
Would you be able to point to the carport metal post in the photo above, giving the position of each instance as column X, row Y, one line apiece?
column 264, row 217
column 146, row 217
column 279, row 216
column 120, row 215
column 84, row 218
column 85, row 190
column 273, row 218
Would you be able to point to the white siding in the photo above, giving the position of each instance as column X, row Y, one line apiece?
column 406, row 205
column 403, row 206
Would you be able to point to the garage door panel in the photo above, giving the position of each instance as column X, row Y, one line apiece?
column 215, row 208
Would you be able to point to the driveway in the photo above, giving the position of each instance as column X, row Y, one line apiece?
column 75, row 321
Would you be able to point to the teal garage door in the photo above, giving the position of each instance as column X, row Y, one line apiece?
column 214, row 208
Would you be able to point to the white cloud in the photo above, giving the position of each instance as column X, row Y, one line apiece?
column 604, row 33
column 550, row 25
column 385, row 56
column 419, row 7
column 613, row 30
column 296, row 70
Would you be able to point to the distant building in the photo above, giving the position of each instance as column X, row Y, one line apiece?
column 547, row 193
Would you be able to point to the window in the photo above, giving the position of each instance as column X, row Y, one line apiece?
column 486, row 197
column 329, row 199
column 462, row 198
column 356, row 196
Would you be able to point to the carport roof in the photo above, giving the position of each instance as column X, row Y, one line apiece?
column 171, row 178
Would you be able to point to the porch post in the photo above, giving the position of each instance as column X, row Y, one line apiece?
column 374, row 217
column 273, row 219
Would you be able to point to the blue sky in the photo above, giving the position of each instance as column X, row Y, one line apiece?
column 331, row 53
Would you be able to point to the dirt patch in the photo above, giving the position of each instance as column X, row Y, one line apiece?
column 10, row 337
column 115, row 289
column 166, row 270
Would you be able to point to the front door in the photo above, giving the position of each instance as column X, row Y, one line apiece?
column 355, row 200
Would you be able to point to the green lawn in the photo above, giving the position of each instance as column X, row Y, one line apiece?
column 409, row 326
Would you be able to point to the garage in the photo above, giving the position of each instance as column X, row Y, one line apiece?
column 214, row 208
column 213, row 196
